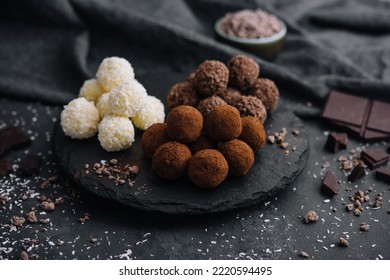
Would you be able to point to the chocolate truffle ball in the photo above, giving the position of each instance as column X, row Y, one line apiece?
column 170, row 160
column 223, row 123
column 182, row 94
column 207, row 168
column 202, row 143
column 267, row 92
column 185, row 124
column 154, row 137
column 252, row 106
column 239, row 156
column 231, row 96
column 253, row 132
column 243, row 72
column 208, row 104
column 211, row 77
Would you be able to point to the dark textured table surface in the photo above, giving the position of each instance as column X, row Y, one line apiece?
column 321, row 53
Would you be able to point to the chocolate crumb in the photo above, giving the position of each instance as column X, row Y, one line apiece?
column 311, row 217
column 45, row 185
column 271, row 139
column 114, row 161
column 349, row 207
column 48, row 206
column 303, row 254
column 24, row 255
column 364, row 227
column 93, row 240
column 283, row 145
column 18, row 221
column 24, row 197
column 357, row 212
column 344, row 242
column 31, row 217
column 295, row 132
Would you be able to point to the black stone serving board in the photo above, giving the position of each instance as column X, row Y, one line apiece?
column 272, row 171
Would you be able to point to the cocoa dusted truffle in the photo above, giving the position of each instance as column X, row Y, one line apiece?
column 253, row 132
column 252, row 106
column 239, row 156
column 211, row 77
column 267, row 92
column 230, row 95
column 182, row 94
column 170, row 160
column 185, row 124
column 223, row 123
column 202, row 143
column 154, row 137
column 207, row 168
column 207, row 105
column 243, row 71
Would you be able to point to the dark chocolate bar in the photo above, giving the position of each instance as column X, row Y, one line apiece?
column 368, row 119
column 329, row 184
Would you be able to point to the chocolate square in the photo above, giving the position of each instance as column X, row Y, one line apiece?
column 379, row 118
column 345, row 108
column 329, row 184
column 375, row 157
column 383, row 173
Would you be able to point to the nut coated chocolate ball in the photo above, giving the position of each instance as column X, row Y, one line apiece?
column 208, row 104
column 185, row 124
column 211, row 77
column 223, row 123
column 182, row 94
column 170, row 160
column 253, row 132
column 154, row 137
column 267, row 92
column 207, row 168
column 252, row 106
column 243, row 72
column 239, row 156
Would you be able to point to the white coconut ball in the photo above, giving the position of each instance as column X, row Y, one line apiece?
column 91, row 90
column 103, row 105
column 80, row 118
column 116, row 133
column 114, row 71
column 128, row 99
column 151, row 113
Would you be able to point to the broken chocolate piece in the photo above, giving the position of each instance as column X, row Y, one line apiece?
column 12, row 138
column 383, row 173
column 336, row 142
column 375, row 157
column 329, row 184
column 5, row 167
column 365, row 118
column 357, row 173
column 311, row 217
column 344, row 242
column 364, row 227
column 30, row 165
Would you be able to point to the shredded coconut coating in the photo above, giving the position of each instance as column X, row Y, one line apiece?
column 114, row 71
column 91, row 90
column 151, row 113
column 80, row 118
column 103, row 105
column 116, row 133
column 128, row 99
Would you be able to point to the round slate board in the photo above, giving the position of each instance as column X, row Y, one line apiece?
column 272, row 171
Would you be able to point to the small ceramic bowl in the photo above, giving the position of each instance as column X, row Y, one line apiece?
column 266, row 48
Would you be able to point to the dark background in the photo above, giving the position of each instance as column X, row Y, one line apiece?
column 48, row 50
